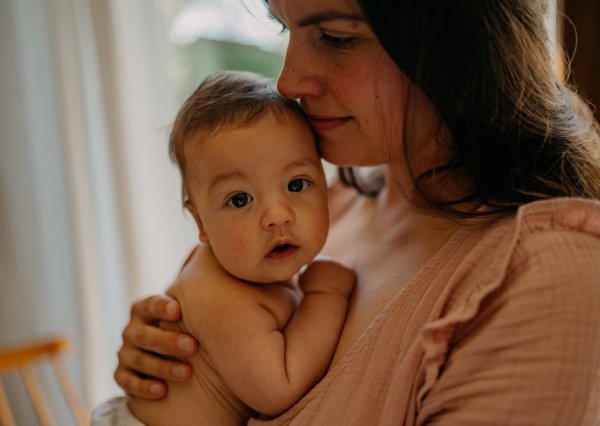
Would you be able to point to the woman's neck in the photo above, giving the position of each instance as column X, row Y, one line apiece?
column 399, row 210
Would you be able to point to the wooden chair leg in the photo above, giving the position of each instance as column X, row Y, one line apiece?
column 5, row 414
column 77, row 408
column 37, row 396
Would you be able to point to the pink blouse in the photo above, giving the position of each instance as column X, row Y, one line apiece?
column 501, row 327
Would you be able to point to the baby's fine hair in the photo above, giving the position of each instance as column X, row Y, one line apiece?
column 226, row 100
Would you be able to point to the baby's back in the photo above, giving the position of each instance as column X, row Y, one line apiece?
column 203, row 400
column 206, row 399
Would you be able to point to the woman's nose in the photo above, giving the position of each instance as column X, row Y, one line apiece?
column 299, row 78
column 276, row 215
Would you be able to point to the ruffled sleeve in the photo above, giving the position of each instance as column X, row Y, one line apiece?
column 522, row 344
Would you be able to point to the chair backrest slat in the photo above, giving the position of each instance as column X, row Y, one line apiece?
column 37, row 395
column 21, row 359
column 5, row 414
column 79, row 412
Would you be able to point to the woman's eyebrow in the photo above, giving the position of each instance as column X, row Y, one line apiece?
column 329, row 15
column 320, row 17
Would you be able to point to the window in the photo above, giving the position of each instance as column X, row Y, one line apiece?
column 210, row 35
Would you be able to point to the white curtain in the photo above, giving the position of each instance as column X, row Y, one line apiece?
column 90, row 215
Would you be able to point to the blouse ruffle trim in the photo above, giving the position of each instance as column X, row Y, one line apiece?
column 577, row 215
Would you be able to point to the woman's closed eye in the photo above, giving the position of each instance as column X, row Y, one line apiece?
column 239, row 200
column 298, row 185
column 338, row 41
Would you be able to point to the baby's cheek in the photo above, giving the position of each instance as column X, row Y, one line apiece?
column 319, row 222
column 242, row 241
column 230, row 238
column 236, row 253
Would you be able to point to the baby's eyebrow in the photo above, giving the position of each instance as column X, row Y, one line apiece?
column 224, row 177
column 303, row 163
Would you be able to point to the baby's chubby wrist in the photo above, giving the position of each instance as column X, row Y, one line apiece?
column 325, row 275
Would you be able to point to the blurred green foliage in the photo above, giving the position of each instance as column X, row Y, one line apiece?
column 203, row 57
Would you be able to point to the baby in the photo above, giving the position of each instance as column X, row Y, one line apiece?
column 253, row 181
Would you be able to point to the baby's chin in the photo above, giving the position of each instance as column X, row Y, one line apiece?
column 268, row 274
column 266, row 277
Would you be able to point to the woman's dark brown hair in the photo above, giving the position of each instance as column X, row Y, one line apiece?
column 519, row 133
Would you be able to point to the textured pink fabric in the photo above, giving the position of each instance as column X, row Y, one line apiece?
column 501, row 327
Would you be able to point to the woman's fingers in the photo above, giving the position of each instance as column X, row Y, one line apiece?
column 157, row 340
column 135, row 385
column 143, row 332
column 141, row 363
column 157, row 307
column 144, row 361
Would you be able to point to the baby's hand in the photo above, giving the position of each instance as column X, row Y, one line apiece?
column 327, row 276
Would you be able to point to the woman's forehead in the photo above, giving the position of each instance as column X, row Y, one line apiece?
column 307, row 12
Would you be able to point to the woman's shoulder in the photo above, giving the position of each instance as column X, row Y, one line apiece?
column 575, row 215
column 540, row 226
column 557, row 242
column 547, row 245
column 523, row 306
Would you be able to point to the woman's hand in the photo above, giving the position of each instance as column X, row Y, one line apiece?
column 144, row 365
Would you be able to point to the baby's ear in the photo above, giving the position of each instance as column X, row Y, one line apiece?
column 202, row 231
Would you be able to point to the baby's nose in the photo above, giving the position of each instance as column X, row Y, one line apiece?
column 277, row 214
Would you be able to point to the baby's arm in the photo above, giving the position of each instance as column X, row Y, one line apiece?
column 267, row 360
column 295, row 360
column 311, row 337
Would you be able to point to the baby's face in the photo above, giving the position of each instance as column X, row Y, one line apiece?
column 260, row 197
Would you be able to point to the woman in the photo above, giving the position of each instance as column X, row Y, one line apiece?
column 477, row 249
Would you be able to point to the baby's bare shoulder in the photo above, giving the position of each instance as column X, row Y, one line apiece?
column 207, row 302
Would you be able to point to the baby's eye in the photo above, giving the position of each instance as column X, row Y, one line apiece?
column 239, row 200
column 298, row 185
column 336, row 41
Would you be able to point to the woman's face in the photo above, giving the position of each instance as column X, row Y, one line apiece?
column 350, row 88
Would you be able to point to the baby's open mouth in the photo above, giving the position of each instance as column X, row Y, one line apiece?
column 282, row 251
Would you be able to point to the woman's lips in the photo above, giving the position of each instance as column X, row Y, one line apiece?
column 321, row 123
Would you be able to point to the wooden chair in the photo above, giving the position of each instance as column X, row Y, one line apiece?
column 22, row 358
